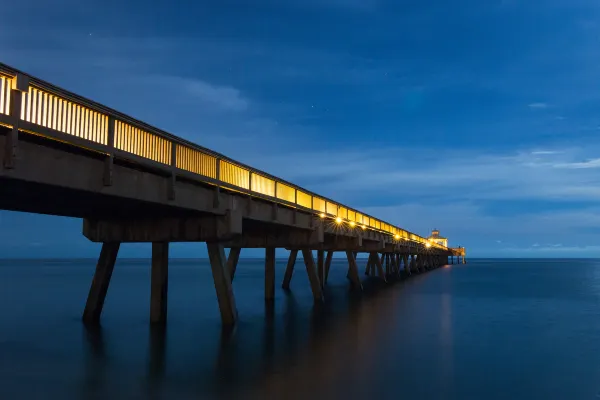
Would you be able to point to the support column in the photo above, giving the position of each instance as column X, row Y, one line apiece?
column 232, row 261
column 387, row 264
column 321, row 266
column 269, row 273
column 374, row 259
column 393, row 264
column 353, row 271
column 380, row 271
column 328, row 265
column 289, row 269
column 370, row 269
column 313, row 278
column 222, row 281
column 407, row 271
column 159, row 283
column 100, row 282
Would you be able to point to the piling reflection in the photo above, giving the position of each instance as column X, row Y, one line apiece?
column 447, row 340
column 157, row 348
column 292, row 352
column 337, row 349
column 95, row 363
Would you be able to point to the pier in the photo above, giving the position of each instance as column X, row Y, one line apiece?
column 129, row 182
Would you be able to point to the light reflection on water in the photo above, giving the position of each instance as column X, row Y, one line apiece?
column 490, row 329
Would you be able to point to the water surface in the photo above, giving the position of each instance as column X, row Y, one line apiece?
column 491, row 329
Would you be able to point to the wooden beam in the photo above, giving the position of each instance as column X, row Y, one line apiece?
column 387, row 264
column 100, row 282
column 232, row 261
column 269, row 273
column 177, row 229
column 313, row 278
column 321, row 266
column 159, row 283
column 379, row 266
column 222, row 281
column 328, row 265
column 353, row 271
column 289, row 269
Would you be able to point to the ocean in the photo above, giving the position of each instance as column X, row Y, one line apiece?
column 490, row 329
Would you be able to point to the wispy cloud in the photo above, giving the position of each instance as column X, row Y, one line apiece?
column 537, row 105
column 225, row 97
column 593, row 163
column 470, row 175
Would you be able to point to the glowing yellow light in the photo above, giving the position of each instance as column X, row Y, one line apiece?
column 352, row 224
column 338, row 220
column 364, row 227
column 427, row 245
column 397, row 237
column 322, row 215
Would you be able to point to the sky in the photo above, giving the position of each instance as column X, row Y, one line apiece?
column 478, row 118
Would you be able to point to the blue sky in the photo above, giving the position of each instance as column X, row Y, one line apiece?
column 480, row 118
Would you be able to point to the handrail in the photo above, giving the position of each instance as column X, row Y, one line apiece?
column 54, row 108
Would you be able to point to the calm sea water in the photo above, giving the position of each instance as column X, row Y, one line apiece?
column 491, row 329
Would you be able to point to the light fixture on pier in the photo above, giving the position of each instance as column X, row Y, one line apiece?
column 397, row 237
column 364, row 227
column 428, row 245
column 352, row 224
column 338, row 220
column 322, row 215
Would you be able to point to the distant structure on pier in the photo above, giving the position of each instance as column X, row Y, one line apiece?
column 435, row 237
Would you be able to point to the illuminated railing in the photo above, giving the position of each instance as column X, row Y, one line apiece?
column 66, row 115
column 5, row 86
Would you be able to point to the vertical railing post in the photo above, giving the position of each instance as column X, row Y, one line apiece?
column 21, row 85
column 217, row 199
column 275, row 216
column 173, row 171
column 110, row 143
column 295, row 212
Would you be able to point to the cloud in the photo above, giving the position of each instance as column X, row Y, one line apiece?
column 593, row 163
column 470, row 175
column 544, row 152
column 225, row 97
column 537, row 105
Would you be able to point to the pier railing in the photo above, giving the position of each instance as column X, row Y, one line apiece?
column 46, row 110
